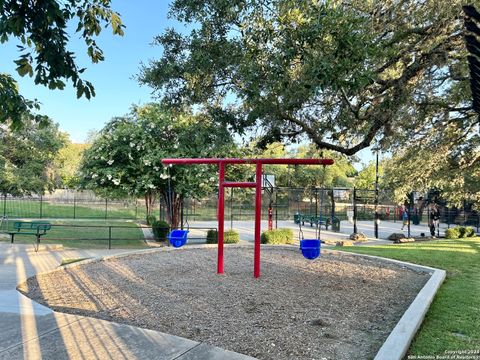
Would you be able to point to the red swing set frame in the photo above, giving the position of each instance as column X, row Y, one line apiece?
column 257, row 184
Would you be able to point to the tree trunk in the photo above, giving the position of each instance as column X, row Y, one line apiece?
column 149, row 201
column 173, row 202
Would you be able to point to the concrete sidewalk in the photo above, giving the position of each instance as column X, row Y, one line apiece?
column 246, row 230
column 32, row 331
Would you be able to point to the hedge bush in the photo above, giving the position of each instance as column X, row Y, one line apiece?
column 212, row 237
column 229, row 237
column 459, row 232
column 466, row 231
column 151, row 219
column 277, row 236
column 452, row 233
column 470, row 232
column 160, row 230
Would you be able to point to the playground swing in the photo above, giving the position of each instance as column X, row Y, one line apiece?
column 311, row 247
column 177, row 237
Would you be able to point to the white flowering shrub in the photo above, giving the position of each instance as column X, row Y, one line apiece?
column 125, row 159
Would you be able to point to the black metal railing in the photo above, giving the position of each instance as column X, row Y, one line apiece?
column 94, row 236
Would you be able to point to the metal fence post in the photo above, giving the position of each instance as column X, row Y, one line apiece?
column 448, row 218
column 106, row 208
column 136, row 209
column 41, row 206
column 160, row 213
column 109, row 238
column 74, row 206
column 355, row 229
column 4, row 205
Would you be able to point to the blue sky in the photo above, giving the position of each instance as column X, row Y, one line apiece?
column 113, row 78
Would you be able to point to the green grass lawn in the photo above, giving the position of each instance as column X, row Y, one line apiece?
column 88, row 234
column 453, row 321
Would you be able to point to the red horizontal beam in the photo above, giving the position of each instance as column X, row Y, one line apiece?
column 239, row 184
column 250, row 161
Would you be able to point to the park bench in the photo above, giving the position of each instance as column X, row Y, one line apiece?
column 38, row 229
column 321, row 220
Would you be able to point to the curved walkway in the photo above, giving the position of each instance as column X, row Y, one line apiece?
column 32, row 331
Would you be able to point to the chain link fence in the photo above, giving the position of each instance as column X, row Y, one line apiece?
column 239, row 205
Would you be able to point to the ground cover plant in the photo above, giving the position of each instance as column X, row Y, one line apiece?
column 87, row 234
column 453, row 318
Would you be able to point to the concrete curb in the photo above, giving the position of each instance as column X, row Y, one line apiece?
column 399, row 340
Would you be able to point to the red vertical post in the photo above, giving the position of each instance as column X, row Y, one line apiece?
column 220, row 215
column 258, row 219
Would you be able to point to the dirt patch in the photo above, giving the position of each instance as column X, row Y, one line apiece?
column 339, row 306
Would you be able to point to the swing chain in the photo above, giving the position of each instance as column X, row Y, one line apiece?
column 319, row 228
column 300, row 231
column 170, row 195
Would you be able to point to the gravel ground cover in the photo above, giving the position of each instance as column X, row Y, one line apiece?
column 339, row 306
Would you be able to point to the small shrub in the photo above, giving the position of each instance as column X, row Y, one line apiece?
column 160, row 230
column 229, row 237
column 452, row 233
column 470, row 232
column 151, row 219
column 277, row 236
column 212, row 237
column 465, row 231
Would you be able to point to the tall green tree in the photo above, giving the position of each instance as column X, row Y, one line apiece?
column 67, row 163
column 27, row 157
column 453, row 170
column 365, row 179
column 41, row 30
column 342, row 73
column 125, row 157
column 340, row 174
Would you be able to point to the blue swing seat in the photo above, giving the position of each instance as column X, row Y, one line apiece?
column 310, row 248
column 178, row 238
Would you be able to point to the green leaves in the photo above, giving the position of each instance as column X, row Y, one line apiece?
column 341, row 73
column 116, row 23
column 26, row 157
column 42, row 29
column 24, row 67
column 87, row 89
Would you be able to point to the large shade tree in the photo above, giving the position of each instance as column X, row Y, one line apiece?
column 27, row 157
column 41, row 29
column 67, row 163
column 452, row 170
column 125, row 157
column 342, row 73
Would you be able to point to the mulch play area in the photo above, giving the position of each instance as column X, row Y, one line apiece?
column 339, row 306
